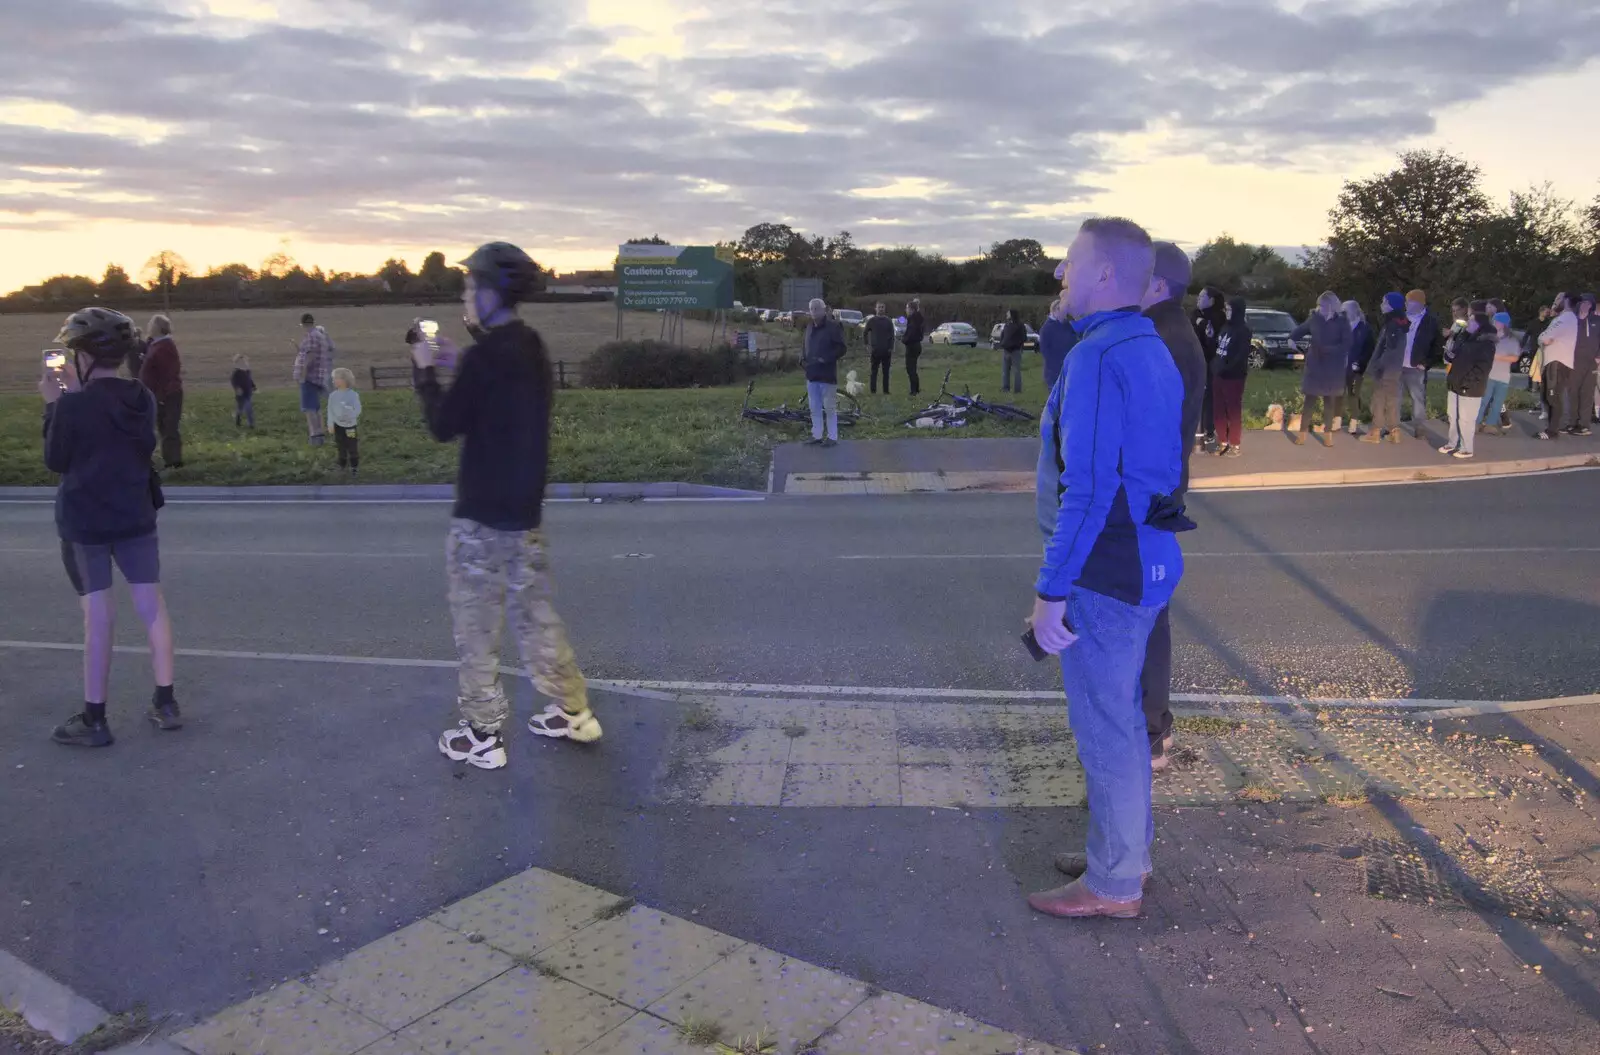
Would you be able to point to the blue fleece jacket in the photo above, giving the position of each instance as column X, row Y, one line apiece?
column 1110, row 442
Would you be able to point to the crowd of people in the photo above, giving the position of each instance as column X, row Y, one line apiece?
column 1135, row 375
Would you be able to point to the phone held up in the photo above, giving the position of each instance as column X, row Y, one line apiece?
column 429, row 329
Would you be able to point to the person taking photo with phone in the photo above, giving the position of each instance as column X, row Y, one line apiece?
column 495, row 556
column 99, row 434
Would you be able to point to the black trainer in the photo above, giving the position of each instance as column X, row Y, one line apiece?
column 78, row 731
column 165, row 716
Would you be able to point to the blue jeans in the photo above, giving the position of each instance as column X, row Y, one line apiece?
column 1100, row 672
column 1494, row 398
column 1414, row 383
column 824, row 400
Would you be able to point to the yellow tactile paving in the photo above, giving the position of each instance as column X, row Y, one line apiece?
column 808, row 753
column 543, row 964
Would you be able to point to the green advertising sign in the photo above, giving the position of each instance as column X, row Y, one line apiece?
column 673, row 277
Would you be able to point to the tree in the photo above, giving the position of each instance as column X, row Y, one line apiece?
column 278, row 265
column 1522, row 254
column 72, row 289
column 1235, row 267
column 439, row 276
column 163, row 271
column 1394, row 231
column 654, row 239
column 395, row 274
column 116, row 285
column 766, row 243
column 1018, row 253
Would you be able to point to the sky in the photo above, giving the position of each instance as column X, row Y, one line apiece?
column 348, row 131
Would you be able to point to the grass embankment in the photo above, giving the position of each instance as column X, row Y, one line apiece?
column 694, row 436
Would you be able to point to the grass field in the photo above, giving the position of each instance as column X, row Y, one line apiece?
column 365, row 336
column 693, row 436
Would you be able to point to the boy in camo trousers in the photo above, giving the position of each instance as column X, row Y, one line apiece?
column 499, row 406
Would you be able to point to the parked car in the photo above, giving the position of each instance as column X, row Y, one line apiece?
column 1272, row 345
column 954, row 333
column 848, row 317
column 1031, row 341
column 770, row 314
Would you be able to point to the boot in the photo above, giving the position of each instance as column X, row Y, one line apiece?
column 1327, row 436
column 1299, row 438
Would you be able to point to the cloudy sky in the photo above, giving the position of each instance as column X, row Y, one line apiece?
column 350, row 130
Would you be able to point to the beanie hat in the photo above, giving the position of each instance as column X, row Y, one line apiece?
column 1587, row 297
column 1503, row 318
column 1393, row 302
column 1418, row 296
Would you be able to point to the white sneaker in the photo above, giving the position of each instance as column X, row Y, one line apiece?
column 463, row 744
column 558, row 724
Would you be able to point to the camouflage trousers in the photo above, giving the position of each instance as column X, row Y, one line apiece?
column 496, row 576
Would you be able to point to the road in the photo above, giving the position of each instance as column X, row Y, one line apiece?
column 304, row 811
column 1443, row 591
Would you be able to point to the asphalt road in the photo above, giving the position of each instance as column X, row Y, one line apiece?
column 1476, row 590
column 304, row 811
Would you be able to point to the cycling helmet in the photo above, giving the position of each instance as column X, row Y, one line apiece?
column 504, row 268
column 104, row 335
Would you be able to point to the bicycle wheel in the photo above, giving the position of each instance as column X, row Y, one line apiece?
column 764, row 417
column 1005, row 410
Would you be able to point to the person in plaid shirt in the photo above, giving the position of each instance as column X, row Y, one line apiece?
column 313, row 368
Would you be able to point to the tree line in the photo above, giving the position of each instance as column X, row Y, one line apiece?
column 1428, row 224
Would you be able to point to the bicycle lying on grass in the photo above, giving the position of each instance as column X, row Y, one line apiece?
column 850, row 410
column 949, row 411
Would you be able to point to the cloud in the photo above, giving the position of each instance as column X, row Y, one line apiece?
column 416, row 121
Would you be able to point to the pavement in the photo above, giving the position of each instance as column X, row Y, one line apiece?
column 1291, row 906
column 947, row 462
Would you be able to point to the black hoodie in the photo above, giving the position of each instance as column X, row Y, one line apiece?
column 100, row 440
column 1233, row 345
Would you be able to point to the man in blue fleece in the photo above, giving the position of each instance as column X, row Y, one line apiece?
column 1109, row 464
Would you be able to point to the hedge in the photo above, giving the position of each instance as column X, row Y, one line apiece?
column 657, row 364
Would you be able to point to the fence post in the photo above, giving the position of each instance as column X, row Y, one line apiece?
column 561, row 373
column 374, row 372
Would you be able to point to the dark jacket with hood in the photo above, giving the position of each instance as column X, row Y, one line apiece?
column 1177, row 333
column 1233, row 345
column 1362, row 341
column 1588, row 349
column 1471, row 359
column 1208, row 326
column 878, row 333
column 1389, row 354
column 100, row 440
column 1330, row 352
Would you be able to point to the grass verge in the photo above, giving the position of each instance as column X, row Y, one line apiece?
column 690, row 435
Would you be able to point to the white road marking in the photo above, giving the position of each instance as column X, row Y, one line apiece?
column 756, row 692
column 1257, row 554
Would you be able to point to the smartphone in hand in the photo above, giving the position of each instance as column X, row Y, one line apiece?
column 1031, row 643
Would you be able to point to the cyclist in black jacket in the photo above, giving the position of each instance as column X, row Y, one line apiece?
column 499, row 406
column 99, row 434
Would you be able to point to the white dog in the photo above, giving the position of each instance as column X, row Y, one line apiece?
column 853, row 387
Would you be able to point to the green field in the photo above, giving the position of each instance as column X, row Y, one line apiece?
column 692, row 436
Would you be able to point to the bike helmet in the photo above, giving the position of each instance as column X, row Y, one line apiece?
column 504, row 268
column 104, row 335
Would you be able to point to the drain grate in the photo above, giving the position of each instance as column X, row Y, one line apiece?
column 1461, row 877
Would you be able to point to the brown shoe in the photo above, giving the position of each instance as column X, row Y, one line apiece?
column 1299, row 438
column 1074, row 864
column 1394, row 435
column 1076, row 901
column 1372, row 437
column 1327, row 437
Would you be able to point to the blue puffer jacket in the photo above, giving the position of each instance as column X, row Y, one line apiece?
column 1111, row 442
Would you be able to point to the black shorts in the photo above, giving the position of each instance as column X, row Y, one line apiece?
column 89, row 566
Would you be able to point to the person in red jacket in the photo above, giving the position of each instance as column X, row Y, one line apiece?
column 162, row 373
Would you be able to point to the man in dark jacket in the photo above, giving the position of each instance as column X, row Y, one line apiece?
column 1056, row 338
column 824, row 347
column 99, row 434
column 878, row 334
column 1586, row 351
column 1013, row 338
column 913, row 342
column 161, row 371
column 495, row 556
column 1423, row 342
column 1163, row 305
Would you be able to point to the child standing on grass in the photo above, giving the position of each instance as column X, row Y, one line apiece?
column 344, row 410
column 244, row 391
